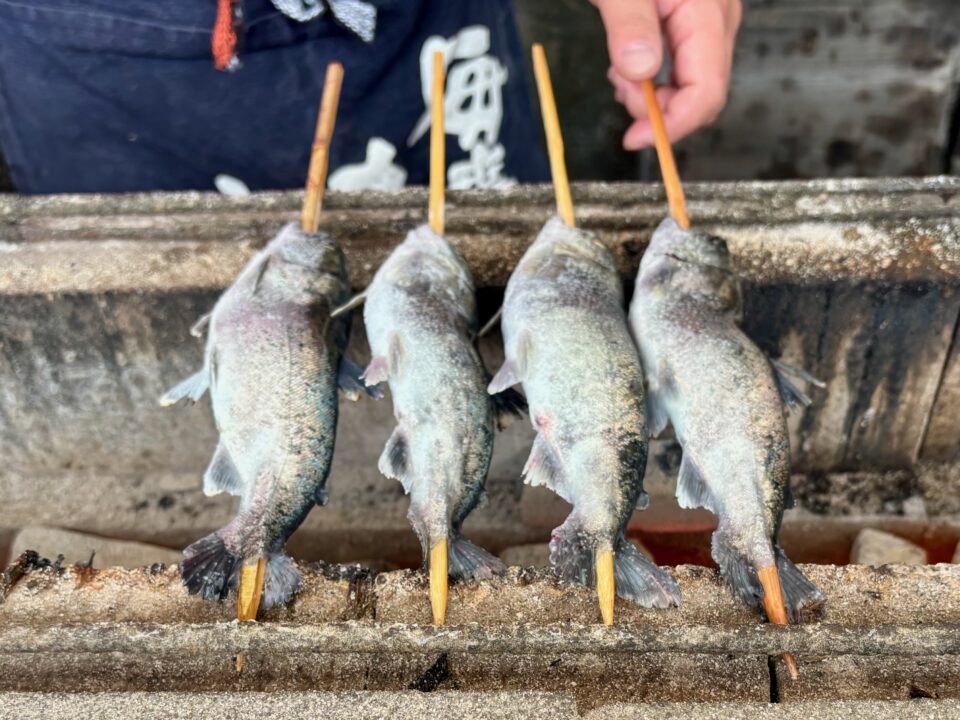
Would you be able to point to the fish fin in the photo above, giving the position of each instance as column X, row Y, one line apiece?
column 209, row 569
column 571, row 554
column 541, row 469
column 222, row 476
column 354, row 302
column 505, row 378
column 792, row 396
column 509, row 405
column 196, row 330
column 382, row 368
column 789, row 500
column 320, row 496
column 349, row 379
column 692, row 489
column 513, row 369
column 639, row 580
column 657, row 418
column 798, row 592
column 261, row 271
column 192, row 388
column 739, row 575
column 377, row 371
column 281, row 580
column 471, row 562
column 491, row 323
column 394, row 461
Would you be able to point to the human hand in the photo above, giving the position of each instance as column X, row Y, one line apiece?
column 699, row 34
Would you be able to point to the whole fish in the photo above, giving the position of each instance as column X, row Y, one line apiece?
column 420, row 316
column 273, row 362
column 725, row 400
column 566, row 341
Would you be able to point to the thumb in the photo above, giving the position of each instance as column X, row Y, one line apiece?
column 633, row 37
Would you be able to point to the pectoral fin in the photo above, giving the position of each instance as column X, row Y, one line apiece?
column 542, row 469
column 350, row 379
column 491, row 323
column 692, row 490
column 192, row 388
column 656, row 413
column 222, row 475
column 354, row 302
column 513, row 369
column 196, row 330
column 792, row 396
column 395, row 461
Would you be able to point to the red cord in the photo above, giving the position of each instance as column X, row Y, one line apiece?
column 223, row 42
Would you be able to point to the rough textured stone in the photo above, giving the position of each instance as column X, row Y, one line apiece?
column 875, row 547
column 81, row 547
column 832, row 710
column 256, row 706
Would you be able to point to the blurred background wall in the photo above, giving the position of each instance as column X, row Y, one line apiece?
column 821, row 88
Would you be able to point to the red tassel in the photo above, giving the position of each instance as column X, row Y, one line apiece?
column 223, row 42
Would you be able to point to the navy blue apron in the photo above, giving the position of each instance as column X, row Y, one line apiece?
column 122, row 95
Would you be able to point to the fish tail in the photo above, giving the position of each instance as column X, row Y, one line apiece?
column 639, row 580
column 471, row 562
column 572, row 553
column 210, row 569
column 739, row 574
column 798, row 592
column 281, row 581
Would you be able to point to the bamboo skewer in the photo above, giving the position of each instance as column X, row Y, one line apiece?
column 439, row 563
column 320, row 154
column 551, row 126
column 774, row 606
column 769, row 577
column 250, row 588
column 603, row 559
column 668, row 167
column 438, row 141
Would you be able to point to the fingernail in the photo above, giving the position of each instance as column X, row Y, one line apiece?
column 638, row 60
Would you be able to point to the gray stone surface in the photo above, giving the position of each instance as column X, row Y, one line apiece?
column 825, row 710
column 81, row 547
column 875, row 547
column 257, row 706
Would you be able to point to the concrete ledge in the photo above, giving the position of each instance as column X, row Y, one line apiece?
column 256, row 706
column 804, row 232
column 417, row 705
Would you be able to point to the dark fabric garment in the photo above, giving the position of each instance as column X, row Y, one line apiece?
column 121, row 95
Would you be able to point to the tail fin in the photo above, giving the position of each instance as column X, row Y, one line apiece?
column 637, row 578
column 640, row 580
column 282, row 580
column 509, row 405
column 470, row 562
column 798, row 592
column 210, row 570
column 571, row 553
column 740, row 575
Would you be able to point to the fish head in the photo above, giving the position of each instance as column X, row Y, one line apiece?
column 557, row 240
column 296, row 261
column 682, row 262
column 425, row 262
